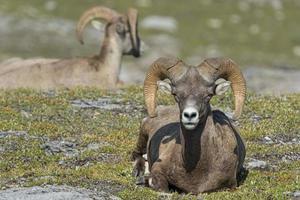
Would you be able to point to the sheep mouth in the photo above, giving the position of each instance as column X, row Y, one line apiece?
column 190, row 125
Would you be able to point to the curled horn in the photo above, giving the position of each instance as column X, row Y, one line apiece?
column 132, row 15
column 161, row 69
column 93, row 13
column 216, row 68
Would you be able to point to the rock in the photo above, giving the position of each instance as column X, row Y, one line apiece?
column 49, row 93
column 267, row 140
column 291, row 156
column 102, row 103
column 214, row 23
column 162, row 23
column 275, row 81
column 256, row 118
column 13, row 134
column 50, row 5
column 66, row 147
column 281, row 139
column 93, row 146
column 117, row 106
column 257, row 164
column 164, row 196
column 54, row 193
column 296, row 194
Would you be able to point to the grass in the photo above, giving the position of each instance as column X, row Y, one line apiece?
column 250, row 33
column 51, row 115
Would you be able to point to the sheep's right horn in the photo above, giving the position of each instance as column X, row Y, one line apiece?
column 93, row 13
column 161, row 69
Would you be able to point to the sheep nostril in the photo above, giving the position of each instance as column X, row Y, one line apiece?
column 186, row 115
column 193, row 115
column 190, row 115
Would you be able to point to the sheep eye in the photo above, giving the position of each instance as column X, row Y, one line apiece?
column 208, row 97
column 120, row 29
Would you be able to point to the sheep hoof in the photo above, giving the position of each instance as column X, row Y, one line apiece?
column 140, row 180
column 138, row 167
column 136, row 172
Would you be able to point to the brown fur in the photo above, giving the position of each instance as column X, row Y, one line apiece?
column 100, row 71
column 208, row 158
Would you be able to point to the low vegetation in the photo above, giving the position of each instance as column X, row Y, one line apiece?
column 96, row 143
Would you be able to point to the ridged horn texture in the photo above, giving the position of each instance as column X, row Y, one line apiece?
column 93, row 13
column 132, row 15
column 217, row 68
column 161, row 69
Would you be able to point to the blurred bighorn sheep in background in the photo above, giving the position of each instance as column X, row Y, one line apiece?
column 189, row 146
column 121, row 38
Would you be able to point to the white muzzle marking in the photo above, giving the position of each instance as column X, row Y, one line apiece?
column 190, row 118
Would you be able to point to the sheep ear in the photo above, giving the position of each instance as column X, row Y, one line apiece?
column 221, row 87
column 96, row 24
column 164, row 86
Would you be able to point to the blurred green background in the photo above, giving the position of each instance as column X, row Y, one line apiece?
column 263, row 32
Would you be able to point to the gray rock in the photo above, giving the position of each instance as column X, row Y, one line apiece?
column 93, row 146
column 102, row 103
column 66, row 147
column 164, row 196
column 163, row 23
column 54, row 193
column 50, row 5
column 267, row 140
column 13, row 134
column 281, row 139
column 256, row 118
column 276, row 81
column 257, row 164
column 296, row 194
column 291, row 156
column 105, row 103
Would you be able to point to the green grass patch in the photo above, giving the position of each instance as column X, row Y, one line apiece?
column 50, row 116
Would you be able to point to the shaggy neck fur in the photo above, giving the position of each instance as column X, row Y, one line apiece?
column 110, row 58
column 191, row 144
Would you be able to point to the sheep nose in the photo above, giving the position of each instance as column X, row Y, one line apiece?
column 190, row 114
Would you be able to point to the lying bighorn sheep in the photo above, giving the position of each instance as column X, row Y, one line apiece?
column 189, row 146
column 121, row 38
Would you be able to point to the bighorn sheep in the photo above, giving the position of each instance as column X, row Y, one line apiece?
column 121, row 38
column 189, row 146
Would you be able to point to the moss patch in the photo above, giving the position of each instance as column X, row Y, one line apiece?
column 50, row 116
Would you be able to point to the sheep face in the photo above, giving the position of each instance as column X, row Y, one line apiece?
column 121, row 29
column 130, row 45
column 192, row 93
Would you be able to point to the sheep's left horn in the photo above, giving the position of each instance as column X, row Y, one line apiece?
column 162, row 68
column 132, row 15
column 93, row 13
column 216, row 68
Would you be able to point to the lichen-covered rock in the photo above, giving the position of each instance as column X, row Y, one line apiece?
column 54, row 193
